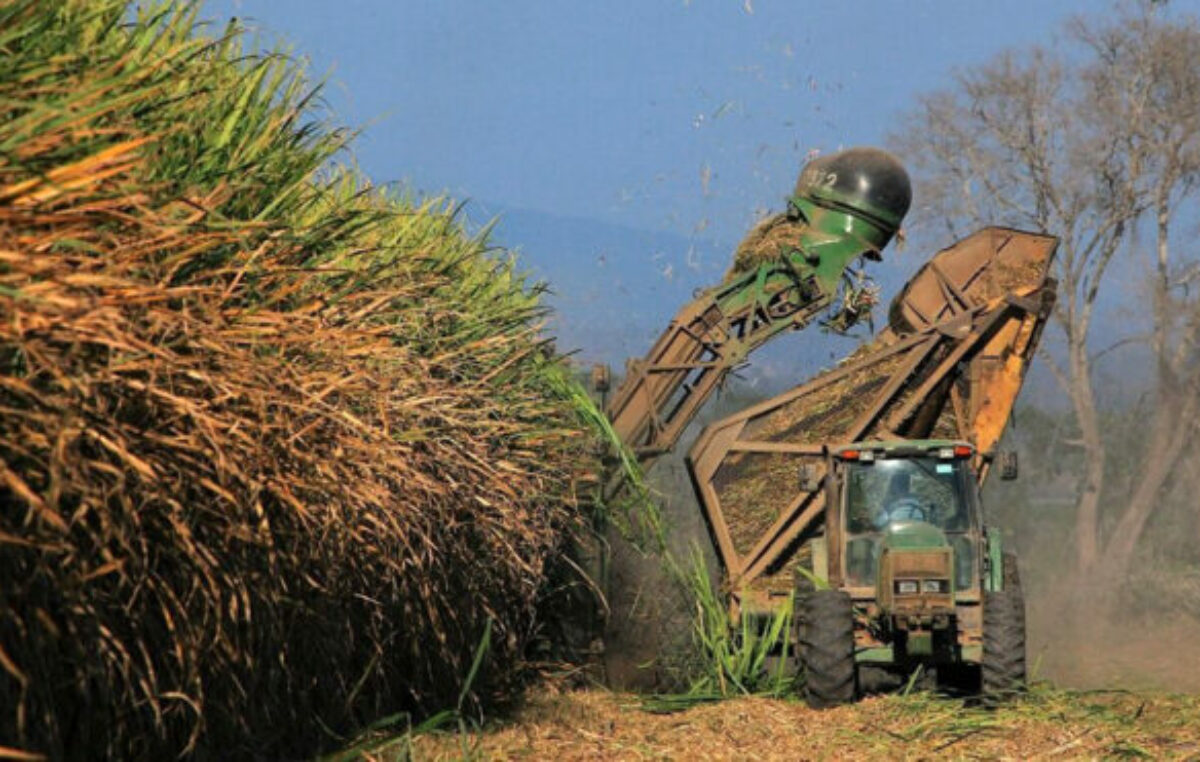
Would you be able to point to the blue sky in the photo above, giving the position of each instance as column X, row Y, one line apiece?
column 656, row 129
column 668, row 115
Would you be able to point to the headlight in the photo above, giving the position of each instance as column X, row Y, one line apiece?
column 935, row 586
column 906, row 587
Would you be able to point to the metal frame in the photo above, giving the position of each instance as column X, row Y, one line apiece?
column 663, row 391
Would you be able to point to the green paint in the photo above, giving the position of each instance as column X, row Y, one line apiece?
column 920, row 644
column 833, row 224
column 849, row 204
column 885, row 655
column 994, row 580
column 820, row 560
column 814, row 266
column 868, row 183
column 880, row 655
column 913, row 535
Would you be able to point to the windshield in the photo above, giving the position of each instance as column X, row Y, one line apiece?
column 886, row 491
column 913, row 489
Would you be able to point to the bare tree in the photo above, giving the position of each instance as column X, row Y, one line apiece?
column 1087, row 142
column 1145, row 86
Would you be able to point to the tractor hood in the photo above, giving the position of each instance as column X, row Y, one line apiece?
column 903, row 535
column 916, row 570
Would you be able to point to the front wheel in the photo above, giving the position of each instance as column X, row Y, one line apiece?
column 827, row 647
column 1003, row 665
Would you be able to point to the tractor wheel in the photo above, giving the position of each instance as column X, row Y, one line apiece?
column 1003, row 666
column 827, row 647
column 793, row 665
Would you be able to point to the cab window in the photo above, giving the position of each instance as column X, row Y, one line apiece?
column 885, row 491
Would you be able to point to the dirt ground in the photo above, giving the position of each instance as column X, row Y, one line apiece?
column 1048, row 724
column 1165, row 656
column 1156, row 648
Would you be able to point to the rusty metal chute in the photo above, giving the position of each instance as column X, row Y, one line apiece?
column 950, row 364
column 708, row 338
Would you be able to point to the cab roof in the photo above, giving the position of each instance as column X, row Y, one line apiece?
column 902, row 447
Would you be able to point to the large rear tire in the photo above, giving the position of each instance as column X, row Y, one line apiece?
column 827, row 647
column 1003, row 665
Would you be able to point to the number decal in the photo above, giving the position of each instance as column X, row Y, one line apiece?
column 813, row 177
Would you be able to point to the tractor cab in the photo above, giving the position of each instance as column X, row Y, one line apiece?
column 913, row 500
column 906, row 543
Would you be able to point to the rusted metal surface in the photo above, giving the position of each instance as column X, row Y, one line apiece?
column 935, row 563
column 989, row 264
column 950, row 365
column 662, row 392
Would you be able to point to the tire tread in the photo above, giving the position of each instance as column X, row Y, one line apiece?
column 1003, row 668
column 827, row 647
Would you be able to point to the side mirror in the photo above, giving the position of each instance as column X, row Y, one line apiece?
column 810, row 477
column 1007, row 460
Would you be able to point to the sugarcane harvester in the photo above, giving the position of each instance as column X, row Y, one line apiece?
column 846, row 207
column 855, row 497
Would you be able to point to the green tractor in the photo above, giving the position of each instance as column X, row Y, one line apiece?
column 908, row 576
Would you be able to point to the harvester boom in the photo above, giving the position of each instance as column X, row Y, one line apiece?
column 710, row 336
column 845, row 206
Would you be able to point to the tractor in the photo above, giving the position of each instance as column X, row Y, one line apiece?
column 907, row 577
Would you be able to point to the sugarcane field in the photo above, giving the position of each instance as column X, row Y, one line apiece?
column 391, row 381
